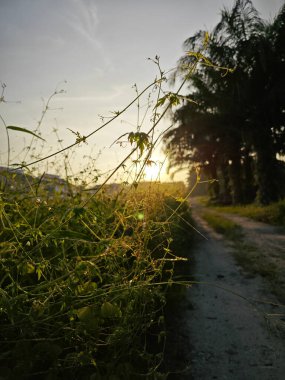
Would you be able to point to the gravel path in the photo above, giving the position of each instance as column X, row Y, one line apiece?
column 226, row 328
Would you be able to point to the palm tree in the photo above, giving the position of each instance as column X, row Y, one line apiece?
column 238, row 126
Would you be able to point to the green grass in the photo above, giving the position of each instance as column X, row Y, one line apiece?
column 248, row 256
column 223, row 225
column 255, row 262
column 272, row 214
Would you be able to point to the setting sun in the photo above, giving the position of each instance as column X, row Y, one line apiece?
column 154, row 170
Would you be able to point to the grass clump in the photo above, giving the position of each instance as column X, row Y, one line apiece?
column 271, row 214
column 223, row 225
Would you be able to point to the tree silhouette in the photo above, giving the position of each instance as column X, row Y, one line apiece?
column 237, row 127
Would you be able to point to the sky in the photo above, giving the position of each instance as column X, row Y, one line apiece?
column 91, row 52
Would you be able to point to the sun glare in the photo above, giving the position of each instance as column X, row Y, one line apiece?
column 153, row 171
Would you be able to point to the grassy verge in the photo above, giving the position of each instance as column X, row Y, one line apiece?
column 223, row 226
column 248, row 256
column 272, row 214
column 83, row 289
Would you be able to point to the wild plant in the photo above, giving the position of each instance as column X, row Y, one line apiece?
column 84, row 270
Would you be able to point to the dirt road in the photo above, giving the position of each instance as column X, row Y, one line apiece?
column 227, row 324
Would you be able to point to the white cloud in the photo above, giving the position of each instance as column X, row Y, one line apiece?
column 82, row 17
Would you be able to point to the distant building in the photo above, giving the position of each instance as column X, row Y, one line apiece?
column 53, row 185
column 13, row 181
column 4, row 169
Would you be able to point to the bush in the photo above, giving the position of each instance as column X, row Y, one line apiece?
column 82, row 287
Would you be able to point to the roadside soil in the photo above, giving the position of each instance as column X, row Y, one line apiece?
column 229, row 325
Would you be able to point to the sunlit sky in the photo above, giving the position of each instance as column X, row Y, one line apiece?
column 95, row 51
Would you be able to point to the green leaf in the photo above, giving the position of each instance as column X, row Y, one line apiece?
column 88, row 317
column 87, row 287
column 39, row 273
column 109, row 310
column 174, row 99
column 141, row 139
column 161, row 101
column 12, row 127
column 85, row 313
column 26, row 268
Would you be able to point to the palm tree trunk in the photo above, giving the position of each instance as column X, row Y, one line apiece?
column 249, row 191
column 266, row 172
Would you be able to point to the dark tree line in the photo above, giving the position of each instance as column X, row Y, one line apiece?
column 236, row 131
